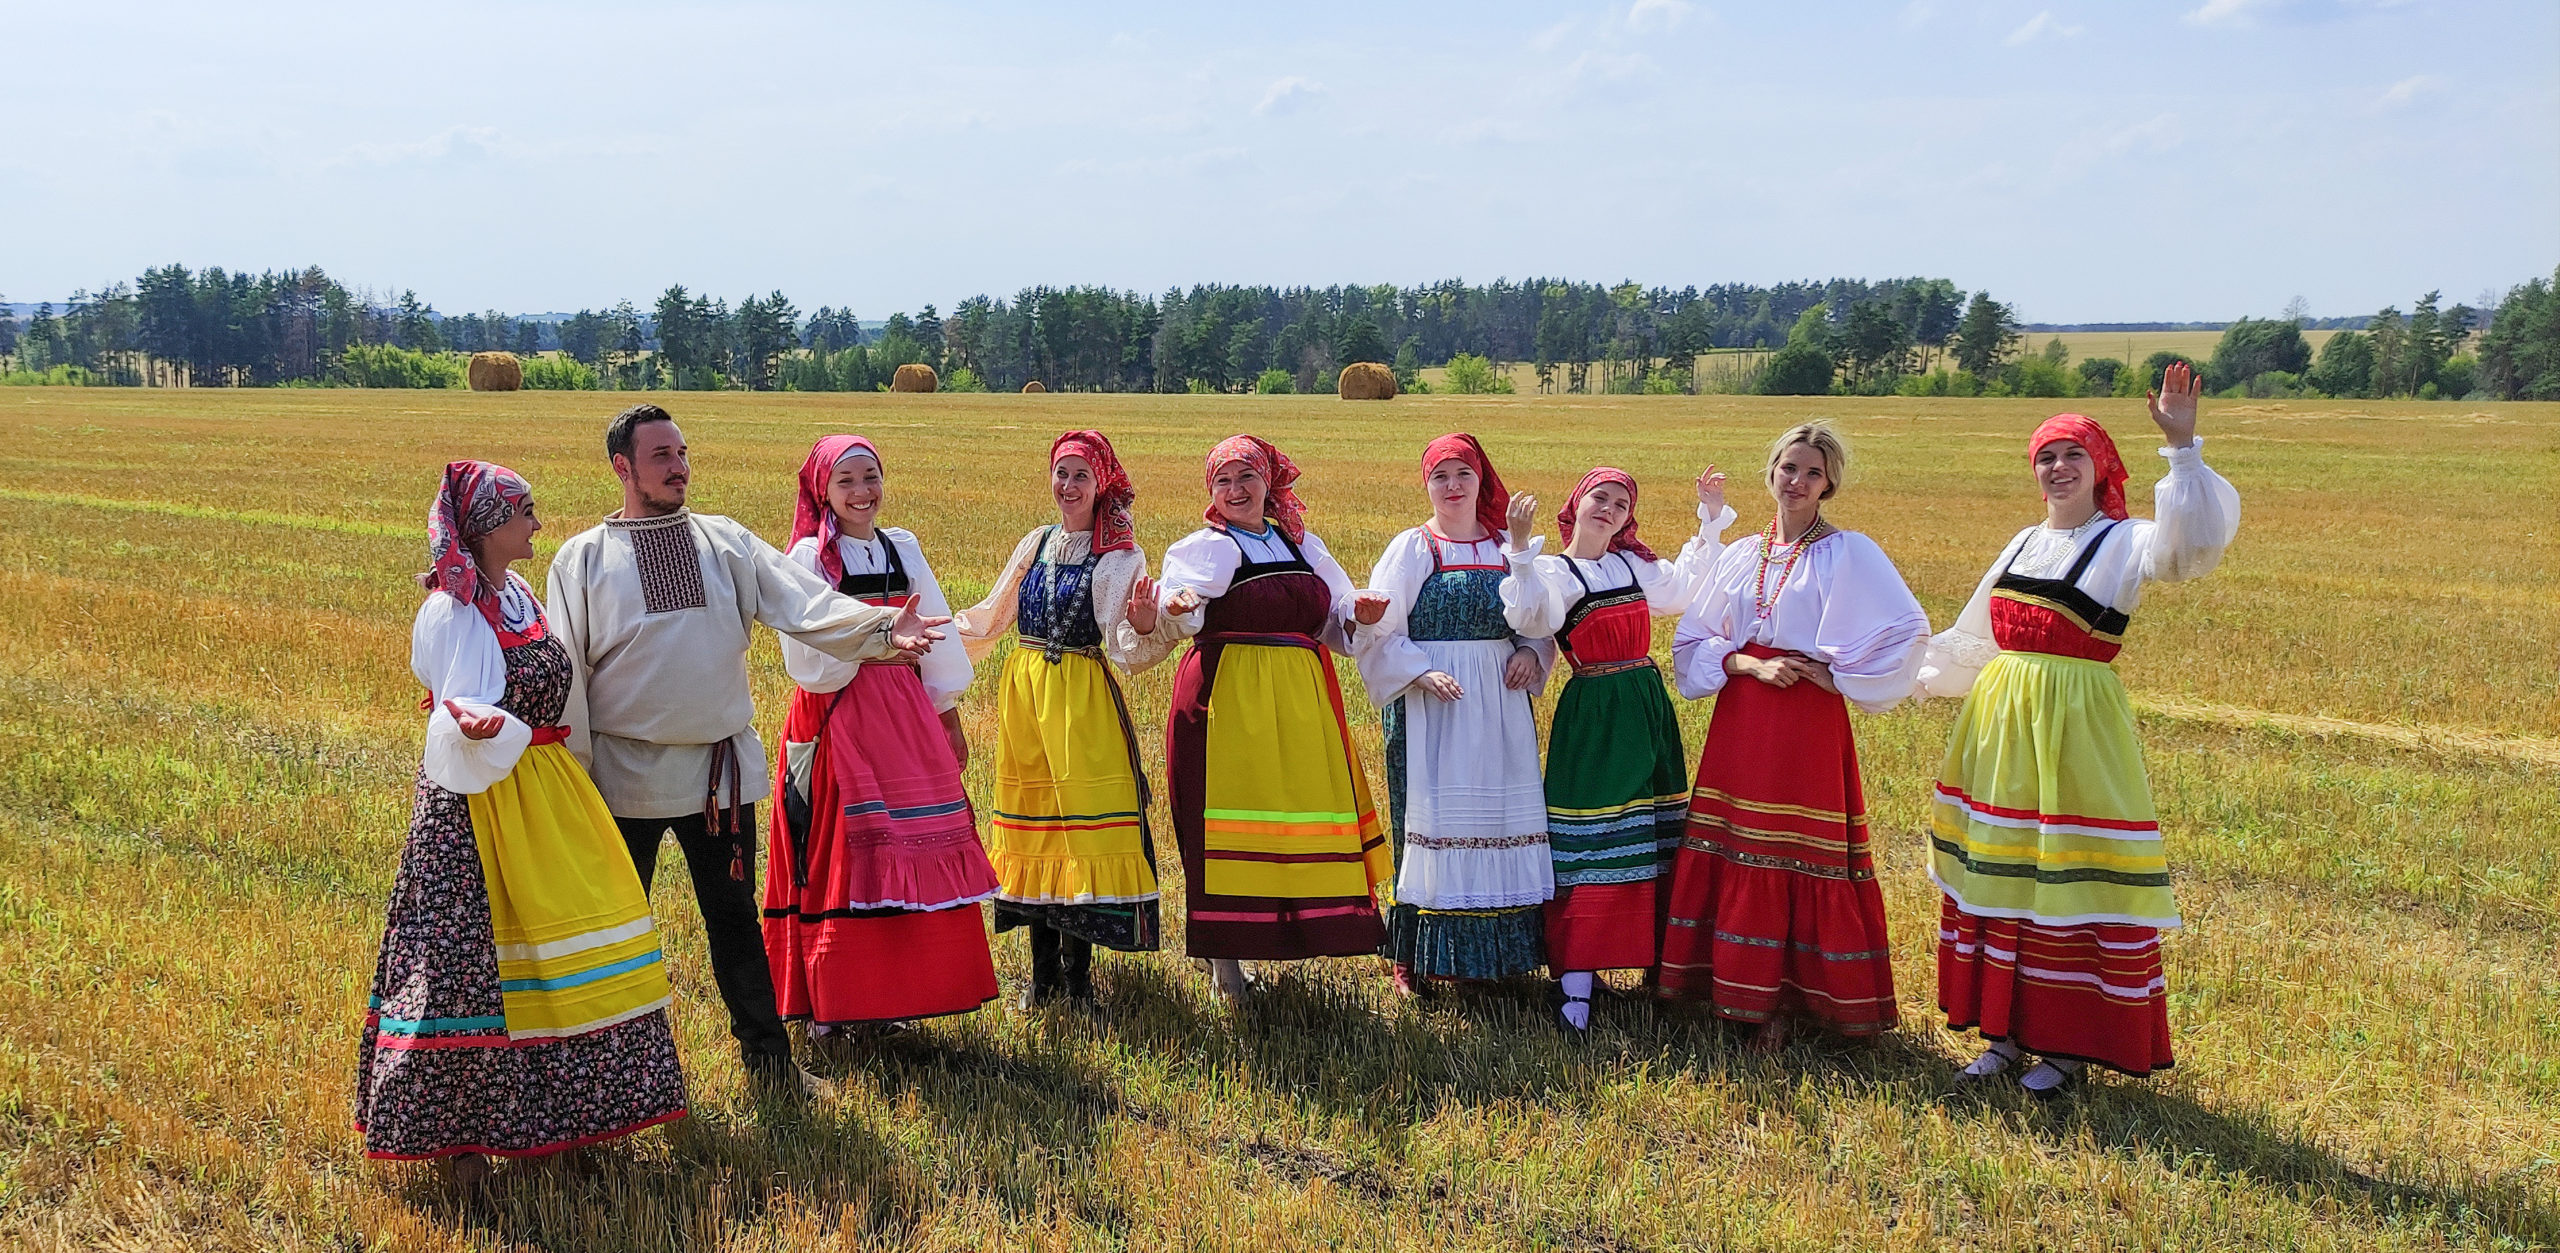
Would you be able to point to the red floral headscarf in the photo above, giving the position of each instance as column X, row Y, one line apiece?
column 478, row 497
column 2102, row 453
column 1625, row 540
column 1113, row 492
column 813, row 515
column 1279, row 504
column 1493, row 500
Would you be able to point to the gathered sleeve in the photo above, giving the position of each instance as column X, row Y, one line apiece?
column 983, row 625
column 2196, row 514
column 1534, row 594
column 1709, row 632
column 812, row 670
column 1669, row 586
column 1114, row 573
column 1204, row 561
column 1873, row 634
column 945, row 666
column 792, row 599
column 1955, row 655
column 1389, row 659
column 455, row 654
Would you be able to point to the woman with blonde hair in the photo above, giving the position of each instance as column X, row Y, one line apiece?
column 1775, row 912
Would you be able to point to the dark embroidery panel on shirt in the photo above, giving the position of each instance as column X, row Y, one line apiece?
column 670, row 569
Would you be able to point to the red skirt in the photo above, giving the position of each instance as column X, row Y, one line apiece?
column 2090, row 993
column 1604, row 926
column 835, row 964
column 1774, row 904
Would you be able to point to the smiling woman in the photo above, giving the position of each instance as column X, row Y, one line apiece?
column 1282, row 849
column 2044, row 840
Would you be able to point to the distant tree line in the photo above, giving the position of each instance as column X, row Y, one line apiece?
column 2509, row 352
column 175, row 327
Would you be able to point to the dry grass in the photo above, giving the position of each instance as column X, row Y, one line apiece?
column 2131, row 347
column 207, row 728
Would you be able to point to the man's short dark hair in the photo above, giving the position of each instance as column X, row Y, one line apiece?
column 617, row 433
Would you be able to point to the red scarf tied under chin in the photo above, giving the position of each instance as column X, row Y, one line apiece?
column 1279, row 504
column 2102, row 454
column 1112, row 491
column 1625, row 540
column 813, row 515
column 1493, row 500
column 477, row 497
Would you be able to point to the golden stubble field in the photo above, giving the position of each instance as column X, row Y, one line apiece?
column 207, row 731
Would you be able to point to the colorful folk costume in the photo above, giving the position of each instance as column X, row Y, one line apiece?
column 519, row 1004
column 655, row 611
column 1617, row 776
column 1074, row 858
column 2044, row 839
column 1282, row 850
column 1774, row 904
column 871, row 896
column 1467, row 811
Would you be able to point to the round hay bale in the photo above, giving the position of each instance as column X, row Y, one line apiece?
column 1366, row 380
column 496, row 372
column 914, row 378
column 1033, row 387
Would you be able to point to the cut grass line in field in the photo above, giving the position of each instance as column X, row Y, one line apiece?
column 175, row 509
column 2530, row 750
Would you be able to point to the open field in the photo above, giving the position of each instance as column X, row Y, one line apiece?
column 2130, row 347
column 207, row 732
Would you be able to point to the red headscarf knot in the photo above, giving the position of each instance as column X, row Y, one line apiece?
column 478, row 497
column 1113, row 492
column 1493, row 500
column 1279, row 504
column 2102, row 453
column 1625, row 540
column 813, row 515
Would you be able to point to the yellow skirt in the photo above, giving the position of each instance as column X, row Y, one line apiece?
column 1068, row 807
column 1288, row 813
column 577, row 948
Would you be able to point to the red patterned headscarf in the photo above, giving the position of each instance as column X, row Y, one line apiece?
column 2102, row 453
column 478, row 497
column 1279, row 504
column 1493, row 500
column 1625, row 540
column 1113, row 492
column 813, row 515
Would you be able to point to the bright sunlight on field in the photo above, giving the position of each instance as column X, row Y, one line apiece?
column 209, row 729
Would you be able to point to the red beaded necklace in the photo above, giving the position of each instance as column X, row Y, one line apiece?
column 1764, row 599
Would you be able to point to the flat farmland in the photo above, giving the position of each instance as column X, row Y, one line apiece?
column 208, row 731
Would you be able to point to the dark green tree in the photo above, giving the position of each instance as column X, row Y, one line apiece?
column 2346, row 365
column 1985, row 336
column 2520, row 350
column 2251, row 347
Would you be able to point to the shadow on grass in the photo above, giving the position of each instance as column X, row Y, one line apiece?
column 725, row 1169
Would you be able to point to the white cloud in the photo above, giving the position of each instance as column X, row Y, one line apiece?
column 2406, row 90
column 1288, row 95
column 2228, row 12
column 1656, row 14
column 1546, row 40
column 1918, row 14
column 2042, row 26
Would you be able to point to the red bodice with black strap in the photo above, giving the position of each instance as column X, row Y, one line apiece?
column 2034, row 615
column 1607, row 626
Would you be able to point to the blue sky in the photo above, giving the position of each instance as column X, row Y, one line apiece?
column 2200, row 159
